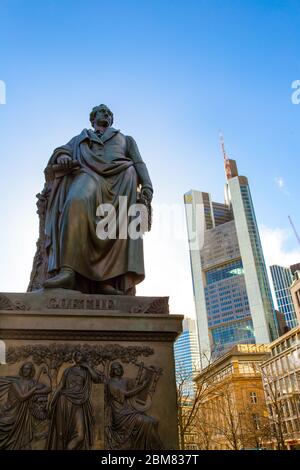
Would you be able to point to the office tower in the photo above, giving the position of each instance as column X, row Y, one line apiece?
column 295, row 291
column 281, row 323
column 186, row 351
column 282, row 280
column 231, row 289
column 294, row 268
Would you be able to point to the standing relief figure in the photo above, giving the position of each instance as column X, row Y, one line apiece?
column 26, row 399
column 71, row 411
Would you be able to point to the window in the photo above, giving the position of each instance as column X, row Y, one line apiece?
column 253, row 398
column 289, row 427
column 224, row 272
column 294, row 383
column 256, row 420
column 293, row 406
column 284, row 428
column 284, row 364
column 279, row 367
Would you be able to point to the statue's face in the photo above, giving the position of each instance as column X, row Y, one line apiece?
column 27, row 370
column 102, row 118
column 117, row 370
column 78, row 357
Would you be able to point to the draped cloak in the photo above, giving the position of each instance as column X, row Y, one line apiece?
column 72, row 411
column 15, row 415
column 128, row 428
column 107, row 171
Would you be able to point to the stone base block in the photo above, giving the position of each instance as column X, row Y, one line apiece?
column 87, row 372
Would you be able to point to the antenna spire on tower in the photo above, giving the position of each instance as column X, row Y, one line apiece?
column 223, row 145
column 225, row 156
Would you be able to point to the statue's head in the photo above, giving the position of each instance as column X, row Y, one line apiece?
column 116, row 369
column 27, row 370
column 78, row 357
column 101, row 116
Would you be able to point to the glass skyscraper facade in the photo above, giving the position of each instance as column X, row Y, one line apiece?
column 282, row 280
column 232, row 294
column 186, row 352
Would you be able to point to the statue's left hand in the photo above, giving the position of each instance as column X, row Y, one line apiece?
column 147, row 193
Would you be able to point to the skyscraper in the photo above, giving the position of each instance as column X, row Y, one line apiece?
column 186, row 351
column 231, row 289
column 282, row 280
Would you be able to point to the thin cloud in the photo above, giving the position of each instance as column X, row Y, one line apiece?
column 280, row 183
column 274, row 241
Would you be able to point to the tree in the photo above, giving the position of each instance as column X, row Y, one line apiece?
column 222, row 415
column 227, row 417
column 275, row 404
column 189, row 399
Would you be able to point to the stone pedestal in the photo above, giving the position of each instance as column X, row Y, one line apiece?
column 45, row 329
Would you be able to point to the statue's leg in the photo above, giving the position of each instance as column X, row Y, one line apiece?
column 76, row 220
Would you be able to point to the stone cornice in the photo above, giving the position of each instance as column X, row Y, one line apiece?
column 55, row 335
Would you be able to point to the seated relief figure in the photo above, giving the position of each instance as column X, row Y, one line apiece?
column 96, row 167
column 127, row 427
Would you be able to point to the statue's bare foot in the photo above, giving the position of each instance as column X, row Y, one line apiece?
column 108, row 289
column 65, row 279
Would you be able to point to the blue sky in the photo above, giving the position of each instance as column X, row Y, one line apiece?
column 174, row 73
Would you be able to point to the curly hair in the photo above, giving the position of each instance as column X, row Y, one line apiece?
column 96, row 108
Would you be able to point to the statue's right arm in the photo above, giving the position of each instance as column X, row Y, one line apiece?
column 62, row 155
column 64, row 150
column 96, row 376
column 21, row 395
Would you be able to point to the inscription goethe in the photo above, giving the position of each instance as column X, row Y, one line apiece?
column 84, row 304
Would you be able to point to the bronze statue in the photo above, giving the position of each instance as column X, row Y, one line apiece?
column 26, row 399
column 96, row 167
column 70, row 409
column 128, row 428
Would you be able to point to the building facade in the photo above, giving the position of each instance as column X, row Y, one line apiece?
column 295, row 293
column 232, row 413
column 187, row 358
column 282, row 280
column 231, row 289
column 281, row 381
